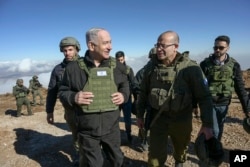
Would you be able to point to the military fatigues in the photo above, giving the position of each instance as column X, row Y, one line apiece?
column 35, row 90
column 223, row 78
column 21, row 99
column 55, row 81
column 98, row 126
column 172, row 91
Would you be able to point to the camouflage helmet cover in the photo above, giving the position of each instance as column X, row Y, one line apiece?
column 19, row 81
column 69, row 41
column 152, row 52
column 35, row 77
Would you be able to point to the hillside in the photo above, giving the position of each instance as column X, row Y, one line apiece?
column 30, row 141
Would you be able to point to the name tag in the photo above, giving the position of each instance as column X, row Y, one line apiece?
column 101, row 73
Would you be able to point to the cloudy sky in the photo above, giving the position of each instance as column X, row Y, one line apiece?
column 32, row 29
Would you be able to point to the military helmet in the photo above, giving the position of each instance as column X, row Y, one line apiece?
column 35, row 77
column 246, row 125
column 209, row 151
column 69, row 41
column 19, row 81
column 152, row 52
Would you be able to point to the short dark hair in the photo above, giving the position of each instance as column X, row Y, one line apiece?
column 223, row 38
column 119, row 54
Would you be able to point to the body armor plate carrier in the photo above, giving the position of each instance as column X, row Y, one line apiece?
column 167, row 92
column 101, row 83
column 220, row 78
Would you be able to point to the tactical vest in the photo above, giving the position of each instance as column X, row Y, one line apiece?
column 101, row 83
column 220, row 77
column 168, row 92
column 20, row 94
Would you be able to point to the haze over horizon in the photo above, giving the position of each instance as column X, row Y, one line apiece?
column 26, row 68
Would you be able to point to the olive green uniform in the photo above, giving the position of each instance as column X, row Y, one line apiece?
column 35, row 90
column 172, row 92
column 21, row 92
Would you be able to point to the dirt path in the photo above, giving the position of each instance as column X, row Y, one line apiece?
column 30, row 141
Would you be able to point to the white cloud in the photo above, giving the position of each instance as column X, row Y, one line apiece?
column 25, row 65
column 10, row 71
column 7, row 84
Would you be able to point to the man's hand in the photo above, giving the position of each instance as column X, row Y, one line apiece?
column 50, row 118
column 84, row 98
column 208, row 132
column 117, row 98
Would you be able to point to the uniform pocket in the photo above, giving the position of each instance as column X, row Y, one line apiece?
column 157, row 97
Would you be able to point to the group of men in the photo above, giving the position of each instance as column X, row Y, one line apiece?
column 93, row 89
column 21, row 94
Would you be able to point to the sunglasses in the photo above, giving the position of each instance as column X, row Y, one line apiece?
column 219, row 47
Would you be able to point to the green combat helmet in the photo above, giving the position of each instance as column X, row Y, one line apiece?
column 19, row 81
column 35, row 77
column 69, row 41
column 152, row 52
column 246, row 125
column 209, row 151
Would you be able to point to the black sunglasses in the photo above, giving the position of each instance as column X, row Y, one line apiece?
column 219, row 47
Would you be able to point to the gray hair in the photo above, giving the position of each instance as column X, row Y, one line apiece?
column 92, row 34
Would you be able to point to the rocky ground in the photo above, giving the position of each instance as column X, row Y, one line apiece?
column 31, row 142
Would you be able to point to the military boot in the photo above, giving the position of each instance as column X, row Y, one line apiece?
column 29, row 110
column 30, row 113
column 18, row 114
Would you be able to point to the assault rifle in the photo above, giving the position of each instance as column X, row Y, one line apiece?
column 143, row 132
column 23, row 89
column 38, row 84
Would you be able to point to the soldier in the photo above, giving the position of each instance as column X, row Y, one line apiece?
column 171, row 83
column 224, row 75
column 127, row 107
column 70, row 48
column 35, row 90
column 21, row 93
column 143, row 132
